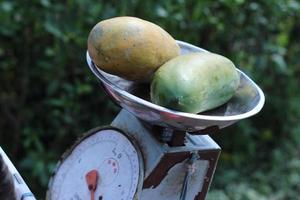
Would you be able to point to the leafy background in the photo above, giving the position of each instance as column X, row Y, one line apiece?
column 48, row 96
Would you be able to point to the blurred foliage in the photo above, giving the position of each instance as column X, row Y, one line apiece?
column 48, row 96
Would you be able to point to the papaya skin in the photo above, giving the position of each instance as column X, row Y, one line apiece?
column 194, row 82
column 130, row 47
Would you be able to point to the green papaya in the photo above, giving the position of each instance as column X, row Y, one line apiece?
column 194, row 82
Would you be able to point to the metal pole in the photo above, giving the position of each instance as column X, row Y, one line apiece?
column 22, row 192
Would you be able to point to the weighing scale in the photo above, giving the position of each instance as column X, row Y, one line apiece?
column 148, row 151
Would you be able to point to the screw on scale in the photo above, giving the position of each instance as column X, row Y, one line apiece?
column 167, row 134
column 190, row 170
column 92, row 181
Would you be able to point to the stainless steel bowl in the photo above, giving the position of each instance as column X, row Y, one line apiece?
column 135, row 98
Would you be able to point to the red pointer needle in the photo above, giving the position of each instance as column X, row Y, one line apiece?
column 92, row 180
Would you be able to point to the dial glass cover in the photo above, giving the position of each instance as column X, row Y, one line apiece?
column 108, row 152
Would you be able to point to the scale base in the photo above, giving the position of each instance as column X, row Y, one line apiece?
column 165, row 166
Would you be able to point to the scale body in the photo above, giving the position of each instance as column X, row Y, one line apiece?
column 171, row 155
column 165, row 166
column 158, row 169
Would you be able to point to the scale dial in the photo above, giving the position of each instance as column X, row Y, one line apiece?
column 109, row 155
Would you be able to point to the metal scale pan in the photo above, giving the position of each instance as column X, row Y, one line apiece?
column 135, row 98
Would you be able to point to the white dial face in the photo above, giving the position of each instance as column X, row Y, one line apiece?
column 115, row 160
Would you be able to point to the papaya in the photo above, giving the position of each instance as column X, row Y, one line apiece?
column 194, row 82
column 130, row 47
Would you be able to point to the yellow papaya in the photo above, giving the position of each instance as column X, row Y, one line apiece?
column 130, row 47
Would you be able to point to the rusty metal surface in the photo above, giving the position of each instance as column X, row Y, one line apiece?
column 165, row 182
column 164, row 165
column 212, row 156
column 248, row 100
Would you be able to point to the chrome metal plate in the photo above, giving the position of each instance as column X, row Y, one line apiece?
column 247, row 101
